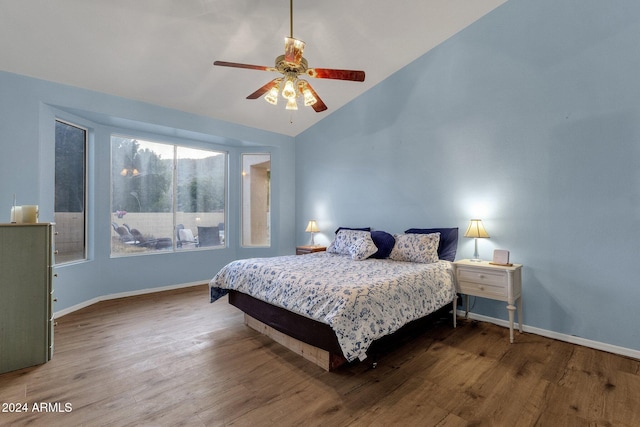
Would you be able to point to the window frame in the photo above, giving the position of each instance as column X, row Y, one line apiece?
column 269, row 201
column 85, row 183
column 175, row 145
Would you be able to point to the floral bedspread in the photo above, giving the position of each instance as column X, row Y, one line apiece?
column 360, row 300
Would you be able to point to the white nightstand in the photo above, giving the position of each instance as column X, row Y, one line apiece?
column 498, row 282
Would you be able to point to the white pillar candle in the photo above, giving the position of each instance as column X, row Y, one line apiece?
column 16, row 214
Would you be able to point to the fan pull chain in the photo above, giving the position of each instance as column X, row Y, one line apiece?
column 291, row 18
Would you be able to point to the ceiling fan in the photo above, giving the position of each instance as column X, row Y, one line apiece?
column 292, row 65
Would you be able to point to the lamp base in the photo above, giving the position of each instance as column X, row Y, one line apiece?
column 476, row 256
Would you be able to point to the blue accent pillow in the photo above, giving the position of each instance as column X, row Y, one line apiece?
column 384, row 242
column 448, row 245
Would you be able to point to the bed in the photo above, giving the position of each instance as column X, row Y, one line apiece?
column 332, row 306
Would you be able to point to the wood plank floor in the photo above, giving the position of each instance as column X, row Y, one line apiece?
column 172, row 359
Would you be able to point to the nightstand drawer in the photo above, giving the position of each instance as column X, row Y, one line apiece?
column 484, row 276
column 487, row 290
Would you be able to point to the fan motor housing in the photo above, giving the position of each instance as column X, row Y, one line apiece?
column 286, row 67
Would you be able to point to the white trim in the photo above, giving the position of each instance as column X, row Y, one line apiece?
column 84, row 304
column 610, row 348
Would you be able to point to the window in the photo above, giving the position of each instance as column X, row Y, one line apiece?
column 201, row 195
column 256, row 194
column 69, row 197
column 165, row 197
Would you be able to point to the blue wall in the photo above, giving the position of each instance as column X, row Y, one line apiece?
column 528, row 119
column 28, row 109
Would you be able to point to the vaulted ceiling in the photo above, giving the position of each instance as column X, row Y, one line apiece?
column 161, row 51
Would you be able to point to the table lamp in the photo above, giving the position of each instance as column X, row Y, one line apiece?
column 476, row 230
column 312, row 227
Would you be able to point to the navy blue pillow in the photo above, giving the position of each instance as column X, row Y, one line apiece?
column 351, row 228
column 448, row 240
column 385, row 242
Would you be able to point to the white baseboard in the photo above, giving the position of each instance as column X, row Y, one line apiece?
column 623, row 351
column 84, row 304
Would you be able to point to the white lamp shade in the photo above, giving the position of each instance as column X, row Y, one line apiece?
column 476, row 229
column 312, row 227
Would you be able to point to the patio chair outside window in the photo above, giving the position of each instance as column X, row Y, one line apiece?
column 208, row 236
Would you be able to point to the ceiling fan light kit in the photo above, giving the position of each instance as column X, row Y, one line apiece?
column 272, row 96
column 291, row 65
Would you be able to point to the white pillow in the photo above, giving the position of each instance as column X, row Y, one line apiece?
column 186, row 235
column 416, row 247
column 356, row 243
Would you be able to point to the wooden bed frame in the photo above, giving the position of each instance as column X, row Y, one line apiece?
column 316, row 341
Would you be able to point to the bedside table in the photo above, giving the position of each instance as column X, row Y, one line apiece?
column 498, row 282
column 303, row 250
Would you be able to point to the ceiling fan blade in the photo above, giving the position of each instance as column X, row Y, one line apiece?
column 247, row 66
column 264, row 89
column 328, row 73
column 293, row 49
column 319, row 105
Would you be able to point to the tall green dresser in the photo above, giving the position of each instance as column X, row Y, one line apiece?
column 26, row 295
